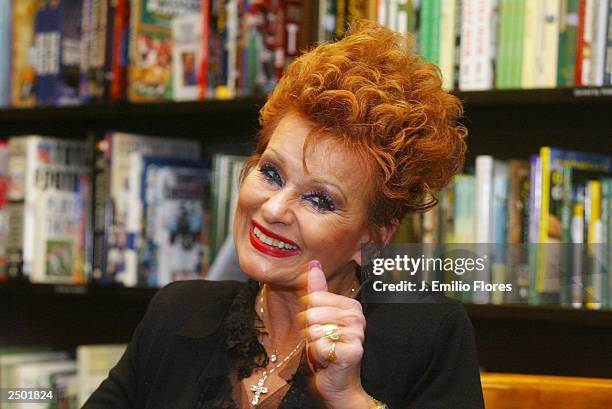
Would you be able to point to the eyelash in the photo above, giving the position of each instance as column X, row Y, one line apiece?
column 322, row 201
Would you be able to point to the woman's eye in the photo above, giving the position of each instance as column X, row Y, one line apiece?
column 321, row 201
column 271, row 174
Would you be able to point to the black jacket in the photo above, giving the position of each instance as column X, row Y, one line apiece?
column 416, row 355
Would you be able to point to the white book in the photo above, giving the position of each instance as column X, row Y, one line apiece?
column 121, row 146
column 547, row 56
column 93, row 365
column 448, row 46
column 186, row 56
column 598, row 49
column 9, row 362
column 478, row 37
column 484, row 198
column 50, row 374
column 48, row 193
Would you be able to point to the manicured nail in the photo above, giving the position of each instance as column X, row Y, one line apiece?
column 314, row 264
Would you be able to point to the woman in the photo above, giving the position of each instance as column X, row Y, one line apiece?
column 355, row 135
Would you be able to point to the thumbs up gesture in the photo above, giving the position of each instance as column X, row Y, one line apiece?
column 334, row 328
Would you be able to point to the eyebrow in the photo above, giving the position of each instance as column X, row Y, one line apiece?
column 316, row 180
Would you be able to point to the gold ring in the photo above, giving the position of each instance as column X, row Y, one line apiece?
column 333, row 332
column 331, row 355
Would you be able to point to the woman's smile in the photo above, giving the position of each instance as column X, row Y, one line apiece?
column 271, row 243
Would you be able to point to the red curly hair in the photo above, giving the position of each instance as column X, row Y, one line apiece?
column 374, row 95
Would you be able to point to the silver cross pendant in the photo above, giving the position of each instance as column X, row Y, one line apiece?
column 259, row 390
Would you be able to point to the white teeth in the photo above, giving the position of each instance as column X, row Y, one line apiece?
column 270, row 241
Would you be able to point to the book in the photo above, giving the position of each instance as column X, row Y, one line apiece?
column 186, row 56
column 599, row 47
column 4, row 213
column 24, row 53
column 48, row 193
column 518, row 228
column 448, row 46
column 49, row 374
column 5, row 53
column 150, row 69
column 93, row 365
column 58, row 74
column 553, row 160
column 118, row 147
column 173, row 243
column 531, row 31
column 224, row 197
column 478, row 37
column 119, row 49
column 568, row 40
column 547, row 46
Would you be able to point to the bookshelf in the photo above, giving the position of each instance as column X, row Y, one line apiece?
column 506, row 124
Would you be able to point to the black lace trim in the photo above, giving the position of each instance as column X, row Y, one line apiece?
column 242, row 335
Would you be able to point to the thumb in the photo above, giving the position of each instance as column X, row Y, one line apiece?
column 316, row 277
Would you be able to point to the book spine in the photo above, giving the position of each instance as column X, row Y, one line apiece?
column 4, row 189
column 16, row 204
column 547, row 56
column 477, row 38
column 448, row 48
column 24, row 53
column 484, row 192
column 531, row 30
column 425, row 29
column 580, row 40
column 69, row 50
column 607, row 71
column 120, row 46
column 86, row 45
column 596, row 273
column 100, row 205
column 204, row 44
column 600, row 25
column 5, row 53
column 517, row 43
column 585, row 48
column 567, row 43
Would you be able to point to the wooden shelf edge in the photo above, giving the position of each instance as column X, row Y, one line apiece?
column 108, row 111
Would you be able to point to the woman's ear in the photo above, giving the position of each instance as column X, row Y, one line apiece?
column 384, row 234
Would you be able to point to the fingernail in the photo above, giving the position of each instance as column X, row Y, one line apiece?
column 314, row 264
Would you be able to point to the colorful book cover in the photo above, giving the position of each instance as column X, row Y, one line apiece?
column 150, row 68
column 596, row 274
column 58, row 77
column 553, row 160
column 574, row 234
column 47, row 189
column 97, row 27
column 119, row 148
column 25, row 53
column 174, row 197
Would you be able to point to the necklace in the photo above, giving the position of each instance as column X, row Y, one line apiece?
column 260, row 388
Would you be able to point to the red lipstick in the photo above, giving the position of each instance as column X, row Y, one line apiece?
column 268, row 249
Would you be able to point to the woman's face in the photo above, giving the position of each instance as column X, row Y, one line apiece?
column 286, row 216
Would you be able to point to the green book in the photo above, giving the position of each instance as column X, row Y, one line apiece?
column 568, row 36
column 503, row 46
column 434, row 36
column 516, row 42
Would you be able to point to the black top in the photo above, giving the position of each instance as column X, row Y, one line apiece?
column 415, row 355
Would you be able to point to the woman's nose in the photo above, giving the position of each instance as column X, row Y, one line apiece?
column 277, row 208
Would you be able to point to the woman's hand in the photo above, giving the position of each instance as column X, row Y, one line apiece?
column 337, row 380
